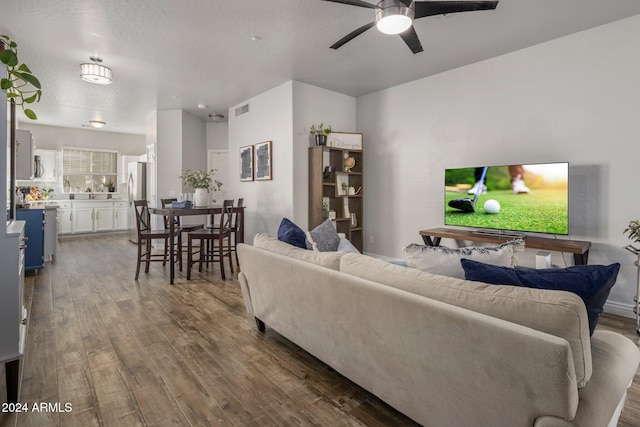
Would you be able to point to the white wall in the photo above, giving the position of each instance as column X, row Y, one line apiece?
column 269, row 119
column 168, row 153
column 573, row 99
column 194, row 142
column 282, row 115
column 314, row 105
column 217, row 136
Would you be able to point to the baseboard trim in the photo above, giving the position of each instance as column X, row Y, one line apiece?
column 623, row 310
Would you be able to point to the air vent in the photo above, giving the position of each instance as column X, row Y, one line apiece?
column 242, row 110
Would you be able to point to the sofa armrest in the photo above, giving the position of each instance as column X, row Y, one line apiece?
column 615, row 361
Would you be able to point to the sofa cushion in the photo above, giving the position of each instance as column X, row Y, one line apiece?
column 592, row 283
column 557, row 313
column 324, row 259
column 324, row 237
column 446, row 261
column 289, row 232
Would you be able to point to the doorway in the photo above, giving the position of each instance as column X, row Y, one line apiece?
column 218, row 159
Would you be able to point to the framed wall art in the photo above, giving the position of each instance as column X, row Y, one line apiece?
column 263, row 161
column 246, row 163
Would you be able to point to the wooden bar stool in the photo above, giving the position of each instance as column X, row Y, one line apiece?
column 146, row 235
column 214, row 244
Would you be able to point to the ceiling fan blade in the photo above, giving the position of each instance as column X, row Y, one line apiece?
column 405, row 2
column 355, row 3
column 411, row 39
column 352, row 35
column 430, row 8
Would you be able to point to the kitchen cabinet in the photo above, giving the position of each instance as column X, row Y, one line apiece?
column 47, row 169
column 89, row 217
column 120, row 215
column 103, row 218
column 13, row 314
column 64, row 217
column 50, row 233
column 34, row 232
column 24, row 154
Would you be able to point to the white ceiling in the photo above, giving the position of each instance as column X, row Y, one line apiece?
column 176, row 54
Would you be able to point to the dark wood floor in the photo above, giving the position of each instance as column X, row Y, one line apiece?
column 127, row 353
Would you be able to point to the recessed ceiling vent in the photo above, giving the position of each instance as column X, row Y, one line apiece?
column 242, row 110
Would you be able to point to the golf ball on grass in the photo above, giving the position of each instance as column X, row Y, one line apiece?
column 491, row 206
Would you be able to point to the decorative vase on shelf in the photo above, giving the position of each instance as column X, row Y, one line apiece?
column 321, row 139
column 201, row 197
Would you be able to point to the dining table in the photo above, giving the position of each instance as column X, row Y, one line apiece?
column 172, row 213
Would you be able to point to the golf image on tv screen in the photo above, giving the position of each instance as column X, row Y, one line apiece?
column 532, row 197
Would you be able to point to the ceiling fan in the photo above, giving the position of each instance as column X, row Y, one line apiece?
column 396, row 16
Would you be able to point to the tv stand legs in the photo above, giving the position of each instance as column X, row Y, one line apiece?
column 260, row 324
column 428, row 241
column 581, row 259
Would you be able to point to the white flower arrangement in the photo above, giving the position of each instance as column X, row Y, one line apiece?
column 197, row 178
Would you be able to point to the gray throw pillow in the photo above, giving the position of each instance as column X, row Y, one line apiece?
column 446, row 261
column 346, row 246
column 324, row 237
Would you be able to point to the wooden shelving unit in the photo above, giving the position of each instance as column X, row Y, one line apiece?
column 330, row 189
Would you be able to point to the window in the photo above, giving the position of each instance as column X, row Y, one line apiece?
column 89, row 170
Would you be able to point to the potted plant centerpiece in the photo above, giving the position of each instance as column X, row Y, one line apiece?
column 201, row 182
column 320, row 132
column 23, row 88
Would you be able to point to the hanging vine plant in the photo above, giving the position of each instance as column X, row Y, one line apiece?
column 23, row 88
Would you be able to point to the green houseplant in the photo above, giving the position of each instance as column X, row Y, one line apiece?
column 634, row 231
column 320, row 132
column 201, row 181
column 23, row 88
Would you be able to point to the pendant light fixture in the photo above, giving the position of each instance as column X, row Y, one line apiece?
column 95, row 73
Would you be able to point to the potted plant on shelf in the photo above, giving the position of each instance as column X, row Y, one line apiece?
column 320, row 132
column 634, row 231
column 111, row 186
column 66, row 185
column 201, row 182
column 23, row 88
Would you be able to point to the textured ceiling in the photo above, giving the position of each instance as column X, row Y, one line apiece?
column 170, row 54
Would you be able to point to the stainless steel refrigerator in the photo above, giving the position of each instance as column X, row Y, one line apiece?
column 136, row 190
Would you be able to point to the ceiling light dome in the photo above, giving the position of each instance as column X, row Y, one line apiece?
column 98, row 124
column 216, row 117
column 393, row 17
column 95, row 73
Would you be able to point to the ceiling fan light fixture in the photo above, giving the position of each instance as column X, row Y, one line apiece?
column 393, row 17
column 96, row 73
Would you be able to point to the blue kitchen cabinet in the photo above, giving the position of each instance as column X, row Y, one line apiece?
column 34, row 232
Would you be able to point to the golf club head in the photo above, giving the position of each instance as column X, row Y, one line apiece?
column 464, row 204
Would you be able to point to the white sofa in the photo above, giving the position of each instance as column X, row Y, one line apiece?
column 443, row 351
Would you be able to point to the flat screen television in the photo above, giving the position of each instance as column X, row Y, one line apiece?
column 511, row 198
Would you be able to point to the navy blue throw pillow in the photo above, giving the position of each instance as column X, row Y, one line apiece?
column 592, row 283
column 292, row 234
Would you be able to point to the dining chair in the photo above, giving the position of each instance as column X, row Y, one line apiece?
column 145, row 237
column 226, row 204
column 212, row 243
column 178, row 228
column 237, row 224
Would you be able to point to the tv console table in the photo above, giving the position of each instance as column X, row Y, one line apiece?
column 579, row 248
